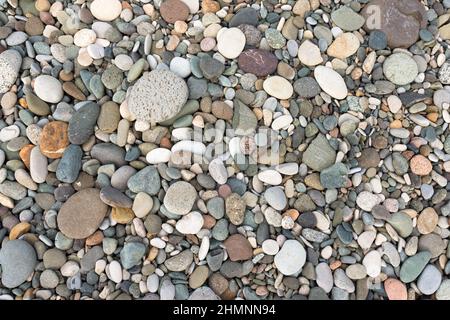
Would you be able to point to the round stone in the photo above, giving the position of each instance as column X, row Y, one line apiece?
column 174, row 10
column 48, row 88
column 180, row 197
column 157, row 96
column 81, row 215
column 420, row 165
column 306, row 87
column 54, row 139
column 270, row 247
column 400, row 69
column 180, row 66
column 106, row 10
column 230, row 42
column 49, row 279
column 291, row 258
column 309, row 54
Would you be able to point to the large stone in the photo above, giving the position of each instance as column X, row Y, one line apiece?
column 157, row 96
column 399, row 20
column 81, row 215
column 18, row 259
column 10, row 62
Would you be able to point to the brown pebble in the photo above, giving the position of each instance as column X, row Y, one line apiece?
column 420, row 165
column 72, row 90
column 238, row 248
column 95, row 238
column 224, row 191
column 122, row 215
column 54, row 139
column 174, row 10
column 427, row 221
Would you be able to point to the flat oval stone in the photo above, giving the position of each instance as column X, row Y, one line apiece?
column 146, row 180
column 81, row 215
column 10, row 62
column 395, row 289
column 259, row 62
column 278, row 87
column 331, row 82
column 48, row 88
column 276, row 198
column 70, row 164
column 174, row 10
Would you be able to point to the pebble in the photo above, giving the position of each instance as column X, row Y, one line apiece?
column 156, row 88
column 186, row 149
column 309, row 54
column 180, row 198
column 278, row 87
column 230, row 42
column 291, row 258
column 105, row 10
column 10, row 62
column 331, row 82
column 400, row 69
column 191, row 223
column 276, row 198
column 72, row 218
column 258, row 62
column 48, row 88
column 18, row 260
column 429, row 280
column 238, row 248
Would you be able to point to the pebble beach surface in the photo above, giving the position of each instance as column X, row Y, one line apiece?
column 218, row 149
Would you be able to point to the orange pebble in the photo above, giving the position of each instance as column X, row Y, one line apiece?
column 395, row 289
column 95, row 238
column 24, row 154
